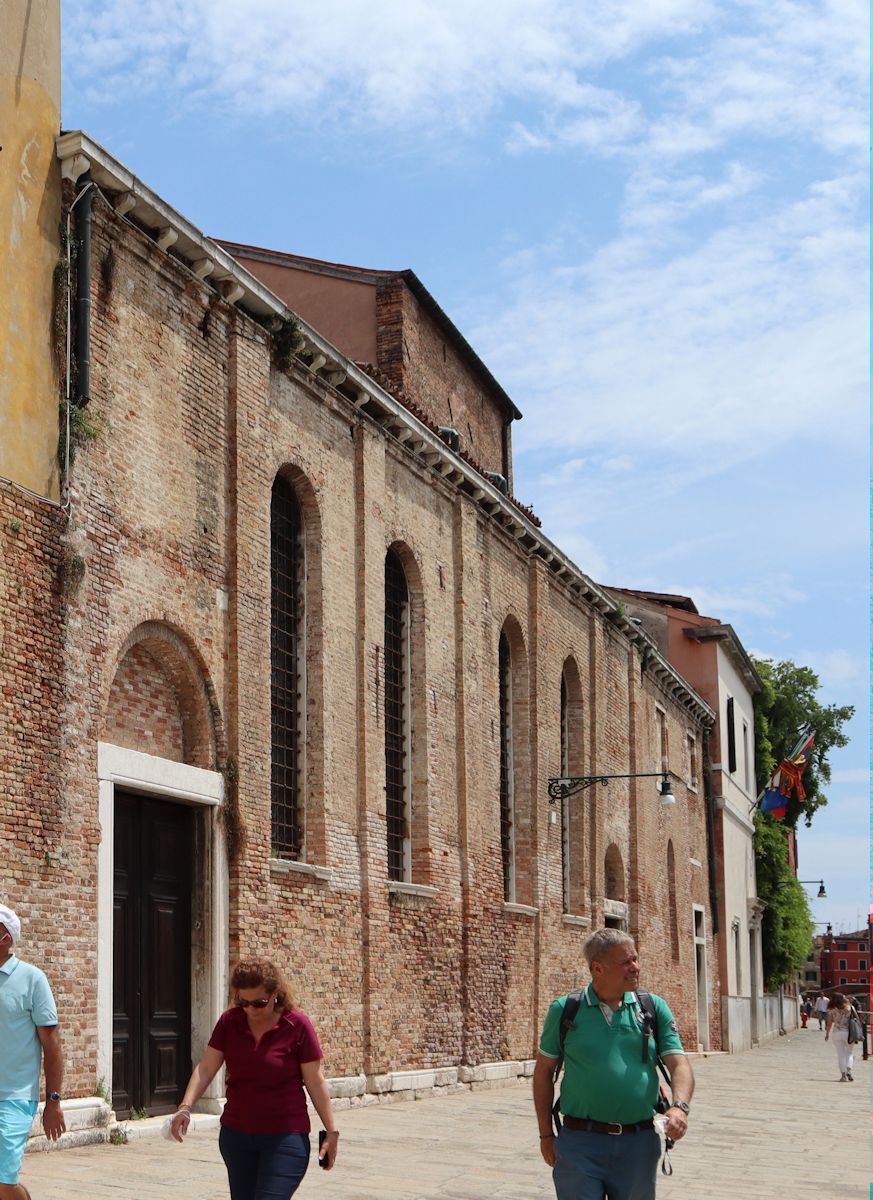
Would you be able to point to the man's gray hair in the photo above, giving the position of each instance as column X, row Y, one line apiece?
column 599, row 944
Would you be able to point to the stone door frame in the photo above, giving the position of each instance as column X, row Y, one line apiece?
column 202, row 789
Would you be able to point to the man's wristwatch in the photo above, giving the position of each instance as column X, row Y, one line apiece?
column 53, row 1096
column 686, row 1108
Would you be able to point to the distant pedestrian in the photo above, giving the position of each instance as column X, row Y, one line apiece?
column 29, row 1040
column 272, row 1053
column 821, row 1009
column 805, row 1011
column 838, row 1015
column 607, row 1145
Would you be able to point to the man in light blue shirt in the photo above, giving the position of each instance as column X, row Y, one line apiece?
column 28, row 1034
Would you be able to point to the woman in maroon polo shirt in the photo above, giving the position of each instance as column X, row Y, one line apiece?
column 272, row 1054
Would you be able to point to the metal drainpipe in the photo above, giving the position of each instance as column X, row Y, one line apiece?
column 83, row 292
column 710, row 831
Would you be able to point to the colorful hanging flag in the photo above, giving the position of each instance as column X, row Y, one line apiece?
column 787, row 778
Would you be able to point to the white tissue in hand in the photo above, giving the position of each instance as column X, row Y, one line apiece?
column 165, row 1128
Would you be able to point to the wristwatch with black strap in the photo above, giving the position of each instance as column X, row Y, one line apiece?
column 53, row 1096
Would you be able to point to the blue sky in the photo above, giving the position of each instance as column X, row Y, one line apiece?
column 649, row 219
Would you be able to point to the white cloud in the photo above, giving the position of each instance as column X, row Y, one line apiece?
column 851, row 775
column 757, row 597
column 395, row 62
column 731, row 342
column 833, row 667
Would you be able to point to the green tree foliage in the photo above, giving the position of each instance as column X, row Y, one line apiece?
column 787, row 927
column 787, row 705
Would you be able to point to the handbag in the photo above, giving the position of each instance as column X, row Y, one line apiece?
column 856, row 1029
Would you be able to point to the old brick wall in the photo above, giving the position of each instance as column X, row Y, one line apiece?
column 419, row 357
column 169, row 609
column 48, row 844
column 143, row 712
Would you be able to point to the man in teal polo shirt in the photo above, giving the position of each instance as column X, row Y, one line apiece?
column 608, row 1146
column 28, row 1032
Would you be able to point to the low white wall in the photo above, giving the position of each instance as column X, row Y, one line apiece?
column 736, row 1024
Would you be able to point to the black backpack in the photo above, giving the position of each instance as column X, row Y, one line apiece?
column 649, row 1028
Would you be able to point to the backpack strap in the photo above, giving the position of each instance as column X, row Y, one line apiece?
column 650, row 1029
column 649, row 1022
column 568, row 1017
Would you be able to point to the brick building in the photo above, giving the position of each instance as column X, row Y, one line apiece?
column 844, row 963
column 285, row 672
column 712, row 658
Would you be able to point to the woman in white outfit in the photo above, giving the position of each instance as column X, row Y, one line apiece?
column 837, row 1025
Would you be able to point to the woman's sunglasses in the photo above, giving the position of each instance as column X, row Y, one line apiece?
column 259, row 1003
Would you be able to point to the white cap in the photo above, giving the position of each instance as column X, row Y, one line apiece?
column 11, row 921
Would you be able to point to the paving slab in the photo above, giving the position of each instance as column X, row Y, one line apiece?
column 769, row 1123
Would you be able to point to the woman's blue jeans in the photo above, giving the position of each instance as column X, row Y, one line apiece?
column 263, row 1166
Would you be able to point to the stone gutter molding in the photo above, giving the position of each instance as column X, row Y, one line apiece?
column 204, row 257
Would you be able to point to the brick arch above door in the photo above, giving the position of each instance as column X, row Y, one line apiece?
column 161, row 700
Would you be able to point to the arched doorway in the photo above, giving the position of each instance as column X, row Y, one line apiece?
column 162, row 874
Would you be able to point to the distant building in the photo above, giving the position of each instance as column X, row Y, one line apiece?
column 845, row 962
column 709, row 654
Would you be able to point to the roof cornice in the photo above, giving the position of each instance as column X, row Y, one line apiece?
column 206, row 258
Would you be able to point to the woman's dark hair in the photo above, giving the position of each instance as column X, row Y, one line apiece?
column 838, row 1000
column 261, row 972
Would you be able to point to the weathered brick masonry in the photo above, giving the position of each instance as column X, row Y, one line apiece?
column 160, row 642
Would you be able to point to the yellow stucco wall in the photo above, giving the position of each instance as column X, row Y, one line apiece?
column 30, row 211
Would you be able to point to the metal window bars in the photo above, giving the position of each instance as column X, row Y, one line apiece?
column 286, row 614
column 397, row 719
column 507, row 833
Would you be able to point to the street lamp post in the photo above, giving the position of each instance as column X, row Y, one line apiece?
column 822, row 894
column 562, row 786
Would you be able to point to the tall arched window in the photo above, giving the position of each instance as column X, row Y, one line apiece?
column 507, row 783
column 671, row 896
column 286, row 669
column 398, row 720
column 572, row 807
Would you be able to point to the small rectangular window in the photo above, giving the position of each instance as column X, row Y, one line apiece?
column 843, row 965
column 862, row 964
column 692, row 761
column 747, row 758
column 731, row 737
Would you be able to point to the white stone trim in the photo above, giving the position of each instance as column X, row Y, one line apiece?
column 117, row 766
column 614, row 908
column 573, row 919
column 401, row 888
column 290, row 866
column 521, row 910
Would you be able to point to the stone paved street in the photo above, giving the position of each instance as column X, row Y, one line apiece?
column 775, row 1122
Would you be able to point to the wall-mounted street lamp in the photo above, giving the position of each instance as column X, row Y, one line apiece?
column 567, row 785
column 822, row 894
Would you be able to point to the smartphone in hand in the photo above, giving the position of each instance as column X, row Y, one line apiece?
column 322, row 1162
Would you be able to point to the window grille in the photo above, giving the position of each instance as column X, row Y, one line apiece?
column 507, row 831
column 286, row 620
column 565, row 800
column 397, row 718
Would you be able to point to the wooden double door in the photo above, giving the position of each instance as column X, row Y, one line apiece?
column 151, row 987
